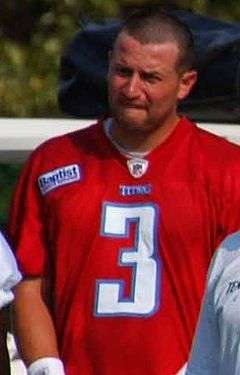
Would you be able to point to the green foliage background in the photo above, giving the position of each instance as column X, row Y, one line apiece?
column 33, row 34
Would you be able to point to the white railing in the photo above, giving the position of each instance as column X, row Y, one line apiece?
column 19, row 136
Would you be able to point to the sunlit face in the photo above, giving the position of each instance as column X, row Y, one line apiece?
column 144, row 84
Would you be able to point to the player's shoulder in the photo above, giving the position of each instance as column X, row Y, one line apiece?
column 226, row 257
column 216, row 153
column 78, row 137
column 63, row 146
column 215, row 144
column 230, row 247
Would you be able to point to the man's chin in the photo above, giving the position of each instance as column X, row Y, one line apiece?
column 131, row 121
column 133, row 126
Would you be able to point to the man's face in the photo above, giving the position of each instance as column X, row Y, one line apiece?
column 144, row 84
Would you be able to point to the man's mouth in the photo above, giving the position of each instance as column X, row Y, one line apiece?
column 133, row 105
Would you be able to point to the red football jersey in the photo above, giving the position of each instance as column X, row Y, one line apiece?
column 128, row 255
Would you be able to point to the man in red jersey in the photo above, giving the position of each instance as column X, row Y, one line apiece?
column 114, row 226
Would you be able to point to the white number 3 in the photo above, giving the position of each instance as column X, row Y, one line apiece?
column 143, row 258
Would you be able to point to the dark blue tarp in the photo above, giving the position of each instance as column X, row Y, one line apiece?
column 83, row 71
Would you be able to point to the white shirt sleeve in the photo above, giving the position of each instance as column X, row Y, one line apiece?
column 9, row 273
column 216, row 347
column 204, row 356
column 205, row 351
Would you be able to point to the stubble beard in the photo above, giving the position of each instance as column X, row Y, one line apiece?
column 131, row 123
column 141, row 136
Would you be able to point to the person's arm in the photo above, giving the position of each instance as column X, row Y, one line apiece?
column 4, row 358
column 204, row 357
column 33, row 324
column 9, row 277
column 27, row 231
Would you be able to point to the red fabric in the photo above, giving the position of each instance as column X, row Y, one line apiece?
column 195, row 182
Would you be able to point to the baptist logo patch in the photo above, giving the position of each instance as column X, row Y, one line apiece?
column 137, row 167
column 58, row 177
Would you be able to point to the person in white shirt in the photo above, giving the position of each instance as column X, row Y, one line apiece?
column 9, row 277
column 216, row 347
column 9, row 274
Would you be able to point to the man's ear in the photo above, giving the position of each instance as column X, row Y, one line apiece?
column 187, row 81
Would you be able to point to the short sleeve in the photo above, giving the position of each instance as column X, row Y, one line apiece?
column 229, row 192
column 26, row 226
column 9, row 275
column 204, row 357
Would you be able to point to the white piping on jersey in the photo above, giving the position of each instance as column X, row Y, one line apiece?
column 107, row 125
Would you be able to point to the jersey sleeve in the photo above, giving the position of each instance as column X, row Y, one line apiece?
column 228, row 212
column 205, row 350
column 9, row 275
column 220, row 161
column 26, row 226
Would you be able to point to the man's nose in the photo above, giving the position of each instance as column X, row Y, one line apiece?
column 132, row 88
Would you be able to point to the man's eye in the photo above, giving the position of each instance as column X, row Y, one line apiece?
column 151, row 78
column 124, row 72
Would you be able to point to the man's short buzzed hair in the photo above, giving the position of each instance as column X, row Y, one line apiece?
column 157, row 26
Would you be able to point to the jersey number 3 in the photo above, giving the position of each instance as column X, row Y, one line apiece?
column 143, row 258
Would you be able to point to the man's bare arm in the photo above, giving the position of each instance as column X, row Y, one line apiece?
column 33, row 322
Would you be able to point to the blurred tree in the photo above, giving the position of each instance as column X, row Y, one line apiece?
column 33, row 35
column 18, row 19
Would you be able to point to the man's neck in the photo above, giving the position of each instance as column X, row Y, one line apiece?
column 129, row 153
column 141, row 141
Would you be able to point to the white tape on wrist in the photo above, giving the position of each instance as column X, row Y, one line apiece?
column 46, row 366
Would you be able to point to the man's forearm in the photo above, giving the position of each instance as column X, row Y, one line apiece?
column 33, row 323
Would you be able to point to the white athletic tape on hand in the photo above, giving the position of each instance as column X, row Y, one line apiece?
column 46, row 366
